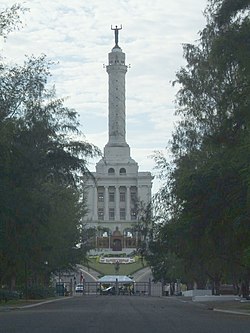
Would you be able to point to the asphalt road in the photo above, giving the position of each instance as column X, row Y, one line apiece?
column 120, row 314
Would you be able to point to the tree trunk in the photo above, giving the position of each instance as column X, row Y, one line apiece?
column 216, row 286
column 13, row 282
column 245, row 289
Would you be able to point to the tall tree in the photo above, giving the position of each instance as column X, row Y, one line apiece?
column 208, row 181
column 41, row 171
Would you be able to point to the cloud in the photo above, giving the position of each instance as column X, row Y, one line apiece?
column 77, row 35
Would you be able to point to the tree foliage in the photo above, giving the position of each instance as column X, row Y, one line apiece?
column 10, row 19
column 42, row 166
column 207, row 190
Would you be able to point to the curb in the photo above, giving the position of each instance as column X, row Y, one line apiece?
column 41, row 303
column 232, row 312
column 11, row 308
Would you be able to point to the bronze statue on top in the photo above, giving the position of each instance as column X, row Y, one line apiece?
column 116, row 29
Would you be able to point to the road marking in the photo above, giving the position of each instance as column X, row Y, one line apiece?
column 233, row 312
column 85, row 272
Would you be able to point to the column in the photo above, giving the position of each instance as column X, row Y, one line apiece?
column 117, row 203
column 106, row 203
column 95, row 215
column 128, row 215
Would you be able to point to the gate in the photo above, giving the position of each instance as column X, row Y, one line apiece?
column 92, row 288
column 64, row 288
column 142, row 288
column 119, row 288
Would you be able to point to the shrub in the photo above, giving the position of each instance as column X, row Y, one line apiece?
column 39, row 292
column 7, row 295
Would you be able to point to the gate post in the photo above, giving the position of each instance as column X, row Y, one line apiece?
column 84, row 287
column 149, row 287
column 71, row 287
column 162, row 288
column 116, row 286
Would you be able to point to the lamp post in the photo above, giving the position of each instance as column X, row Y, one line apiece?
column 26, row 279
column 46, row 271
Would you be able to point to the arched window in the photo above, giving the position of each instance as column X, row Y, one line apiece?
column 122, row 171
column 111, row 171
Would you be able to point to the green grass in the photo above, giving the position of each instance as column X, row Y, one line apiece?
column 22, row 302
column 245, row 306
column 109, row 269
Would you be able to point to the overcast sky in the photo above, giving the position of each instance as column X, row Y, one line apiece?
column 77, row 35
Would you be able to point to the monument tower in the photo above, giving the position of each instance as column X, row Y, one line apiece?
column 117, row 70
column 118, row 186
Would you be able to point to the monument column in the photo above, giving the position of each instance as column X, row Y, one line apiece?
column 116, row 70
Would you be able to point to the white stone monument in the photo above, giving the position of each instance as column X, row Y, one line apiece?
column 117, row 187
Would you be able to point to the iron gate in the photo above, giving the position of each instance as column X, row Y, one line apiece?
column 120, row 288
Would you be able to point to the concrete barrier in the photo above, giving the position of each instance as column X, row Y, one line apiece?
column 197, row 292
column 220, row 298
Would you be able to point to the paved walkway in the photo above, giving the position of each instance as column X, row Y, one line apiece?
column 142, row 275
column 233, row 307
column 236, row 307
column 90, row 272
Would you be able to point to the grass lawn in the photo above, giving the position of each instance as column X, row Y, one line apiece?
column 109, row 269
column 22, row 302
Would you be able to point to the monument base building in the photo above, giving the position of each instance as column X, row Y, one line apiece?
column 117, row 190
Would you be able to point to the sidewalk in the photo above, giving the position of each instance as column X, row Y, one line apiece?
column 137, row 276
column 234, row 307
column 89, row 271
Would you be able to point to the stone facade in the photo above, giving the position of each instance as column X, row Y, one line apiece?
column 117, row 186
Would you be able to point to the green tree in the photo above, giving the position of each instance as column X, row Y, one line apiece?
column 41, row 170
column 10, row 19
column 207, row 189
column 229, row 9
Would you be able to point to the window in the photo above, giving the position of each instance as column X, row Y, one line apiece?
column 122, row 196
column 133, row 197
column 111, row 171
column 111, row 213
column 100, row 196
column 111, row 196
column 122, row 171
column 100, row 214
column 122, row 214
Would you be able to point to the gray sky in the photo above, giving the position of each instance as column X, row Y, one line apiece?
column 77, row 35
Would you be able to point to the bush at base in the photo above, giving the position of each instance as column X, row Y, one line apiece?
column 38, row 292
column 7, row 295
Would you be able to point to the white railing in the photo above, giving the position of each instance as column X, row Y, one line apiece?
column 108, row 260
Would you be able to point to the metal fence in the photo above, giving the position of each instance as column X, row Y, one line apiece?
column 134, row 289
column 146, row 288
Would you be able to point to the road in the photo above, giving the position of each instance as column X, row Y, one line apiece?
column 111, row 314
